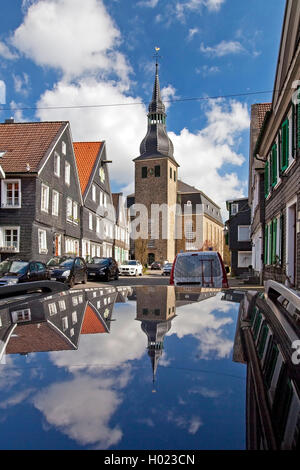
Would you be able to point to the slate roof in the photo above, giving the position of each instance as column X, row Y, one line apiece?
column 27, row 143
column 86, row 154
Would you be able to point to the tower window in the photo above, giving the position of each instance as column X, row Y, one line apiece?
column 157, row 170
column 174, row 175
column 171, row 173
column 144, row 172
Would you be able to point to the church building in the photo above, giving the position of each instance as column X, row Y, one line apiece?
column 174, row 216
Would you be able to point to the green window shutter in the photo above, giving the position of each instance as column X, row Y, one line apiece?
column 266, row 179
column 281, row 238
column 274, row 240
column 266, row 244
column 262, row 340
column 285, row 145
column 274, row 165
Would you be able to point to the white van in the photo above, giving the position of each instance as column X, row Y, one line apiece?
column 199, row 268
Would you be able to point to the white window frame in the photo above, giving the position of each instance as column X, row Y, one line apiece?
column 2, row 237
column 4, row 184
column 63, row 148
column 236, row 206
column 67, row 173
column 69, row 209
column 98, row 224
column 42, row 240
column 57, row 164
column 90, row 221
column 75, row 213
column 55, row 203
column 45, row 198
column 241, row 253
column 94, row 194
column 244, row 226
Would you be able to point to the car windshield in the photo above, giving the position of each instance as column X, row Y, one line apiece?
column 53, row 262
column 130, row 263
column 68, row 263
column 100, row 261
column 18, row 267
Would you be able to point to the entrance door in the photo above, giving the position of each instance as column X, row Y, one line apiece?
column 57, row 242
column 151, row 258
column 291, row 243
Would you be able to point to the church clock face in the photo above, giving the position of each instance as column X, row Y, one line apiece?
column 150, row 171
column 102, row 175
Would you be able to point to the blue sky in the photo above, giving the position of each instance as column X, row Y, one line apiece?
column 57, row 53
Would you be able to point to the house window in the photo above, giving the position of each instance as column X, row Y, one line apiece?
column 144, row 172
column 63, row 148
column 55, row 203
column 243, row 233
column 90, row 221
column 234, row 208
column 69, row 209
column 56, row 164
column 102, row 174
column 52, row 309
column 64, row 323
column 74, row 317
column 157, row 171
column 244, row 259
column 94, row 193
column 10, row 238
column 75, row 213
column 67, row 173
column 171, row 174
column 11, row 194
column 42, row 235
column 98, row 224
column 45, row 198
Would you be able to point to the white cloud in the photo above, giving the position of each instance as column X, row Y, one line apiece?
column 192, row 32
column 16, row 399
column 21, row 83
column 6, row 53
column 81, row 409
column 71, row 38
column 168, row 94
column 148, row 3
column 183, row 7
column 206, row 70
column 2, row 92
column 223, row 48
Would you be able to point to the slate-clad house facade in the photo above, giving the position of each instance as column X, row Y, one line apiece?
column 97, row 213
column 239, row 227
column 40, row 193
column 278, row 148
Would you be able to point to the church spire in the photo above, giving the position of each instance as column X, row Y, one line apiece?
column 156, row 143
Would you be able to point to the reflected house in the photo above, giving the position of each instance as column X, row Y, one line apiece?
column 187, row 295
column 53, row 324
column 231, row 295
column 156, row 307
column 101, row 304
column 268, row 325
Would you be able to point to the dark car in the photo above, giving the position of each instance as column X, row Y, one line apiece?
column 155, row 265
column 103, row 269
column 56, row 261
column 71, row 271
column 24, row 271
column 167, row 269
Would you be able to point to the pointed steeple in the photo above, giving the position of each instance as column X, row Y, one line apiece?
column 156, row 143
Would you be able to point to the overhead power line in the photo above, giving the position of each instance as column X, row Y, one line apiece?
column 103, row 105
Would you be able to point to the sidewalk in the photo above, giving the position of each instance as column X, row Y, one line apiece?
column 240, row 284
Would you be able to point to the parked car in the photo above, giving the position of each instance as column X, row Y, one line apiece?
column 131, row 268
column 56, row 261
column 167, row 269
column 24, row 271
column 155, row 265
column 71, row 271
column 103, row 269
column 202, row 268
column 4, row 266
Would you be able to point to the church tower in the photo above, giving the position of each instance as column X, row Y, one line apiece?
column 156, row 180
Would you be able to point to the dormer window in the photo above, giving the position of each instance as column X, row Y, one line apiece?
column 234, row 209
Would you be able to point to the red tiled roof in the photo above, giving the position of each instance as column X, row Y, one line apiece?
column 27, row 143
column 91, row 322
column 86, row 154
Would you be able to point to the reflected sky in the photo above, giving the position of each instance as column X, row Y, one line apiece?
column 119, row 390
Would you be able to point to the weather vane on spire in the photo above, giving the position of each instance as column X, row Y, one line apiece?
column 156, row 55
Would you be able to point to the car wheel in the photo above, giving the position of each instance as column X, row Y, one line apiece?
column 84, row 279
column 71, row 282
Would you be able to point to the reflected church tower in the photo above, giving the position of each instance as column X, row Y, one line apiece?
column 156, row 307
